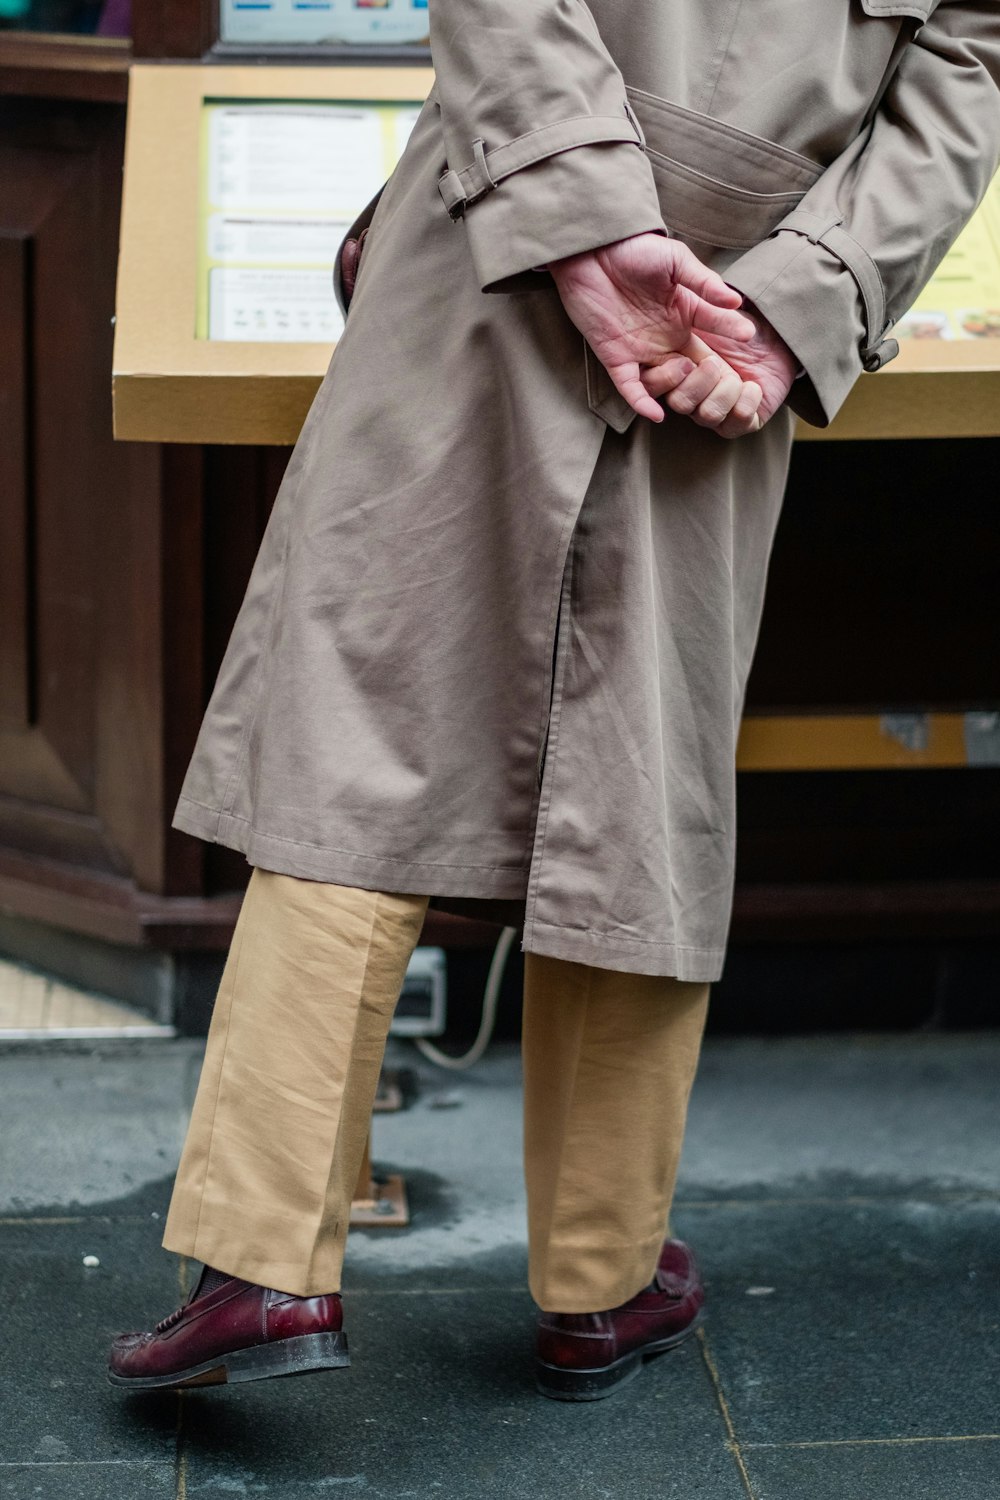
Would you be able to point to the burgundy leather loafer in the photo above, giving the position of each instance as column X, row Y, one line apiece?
column 586, row 1356
column 232, row 1331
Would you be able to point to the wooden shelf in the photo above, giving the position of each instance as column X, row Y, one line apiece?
column 93, row 69
column 936, row 389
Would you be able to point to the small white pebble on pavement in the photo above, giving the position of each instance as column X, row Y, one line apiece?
column 91, row 1260
column 760, row 1291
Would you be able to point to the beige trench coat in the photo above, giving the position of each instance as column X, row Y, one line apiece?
column 496, row 641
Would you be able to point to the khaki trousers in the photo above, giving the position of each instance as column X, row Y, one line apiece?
column 281, row 1116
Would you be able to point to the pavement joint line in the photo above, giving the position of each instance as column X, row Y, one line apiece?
column 83, row 1463
column 30, row 1219
column 886, row 1442
column 732, row 1441
column 853, row 1200
column 45, row 1223
column 433, row 1291
column 180, row 1455
column 180, row 1448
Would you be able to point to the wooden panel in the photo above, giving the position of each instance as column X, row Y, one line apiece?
column 884, row 580
column 64, row 67
column 858, row 911
column 15, row 704
column 240, row 485
column 81, row 775
column 33, row 183
column 127, row 707
column 174, row 28
column 71, row 466
column 850, row 826
column 31, row 771
column 103, row 906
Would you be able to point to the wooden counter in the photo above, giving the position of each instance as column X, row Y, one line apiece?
column 170, row 385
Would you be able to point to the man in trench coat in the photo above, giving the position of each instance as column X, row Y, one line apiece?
column 495, row 645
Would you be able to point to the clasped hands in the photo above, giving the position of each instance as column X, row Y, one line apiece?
column 666, row 327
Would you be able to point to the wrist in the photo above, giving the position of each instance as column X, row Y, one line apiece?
column 555, row 266
column 779, row 352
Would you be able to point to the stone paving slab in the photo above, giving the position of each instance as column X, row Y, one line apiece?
column 439, row 1402
column 886, row 1112
column 97, row 1481
column 82, row 1127
column 967, row 1470
column 59, row 1317
column 863, row 1321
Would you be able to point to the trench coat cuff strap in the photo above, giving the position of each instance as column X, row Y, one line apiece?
column 807, row 294
column 489, row 168
column 564, row 205
column 878, row 350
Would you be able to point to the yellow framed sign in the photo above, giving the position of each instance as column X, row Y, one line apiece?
column 238, row 184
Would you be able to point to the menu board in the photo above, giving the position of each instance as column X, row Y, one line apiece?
column 281, row 184
column 962, row 301
column 318, row 22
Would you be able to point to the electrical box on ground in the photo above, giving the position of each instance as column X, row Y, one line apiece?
column 423, row 1002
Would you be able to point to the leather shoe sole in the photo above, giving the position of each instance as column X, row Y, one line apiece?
column 295, row 1356
column 594, row 1385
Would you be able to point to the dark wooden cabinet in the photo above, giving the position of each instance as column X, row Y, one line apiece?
column 122, row 565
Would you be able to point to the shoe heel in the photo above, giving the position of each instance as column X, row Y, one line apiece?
column 311, row 1351
column 585, row 1385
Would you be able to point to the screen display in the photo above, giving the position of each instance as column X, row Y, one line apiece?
column 324, row 22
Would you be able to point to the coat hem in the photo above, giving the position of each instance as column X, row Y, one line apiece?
column 604, row 950
column 343, row 867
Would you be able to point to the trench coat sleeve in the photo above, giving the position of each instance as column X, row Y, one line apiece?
column 843, row 267
column 544, row 156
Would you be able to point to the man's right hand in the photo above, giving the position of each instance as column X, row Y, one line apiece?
column 639, row 302
column 765, row 363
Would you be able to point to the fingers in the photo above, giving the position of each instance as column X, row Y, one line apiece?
column 708, row 394
column 689, row 271
column 660, row 379
column 686, row 396
column 731, row 410
column 723, row 321
column 705, row 315
column 745, row 415
column 628, row 383
column 713, row 395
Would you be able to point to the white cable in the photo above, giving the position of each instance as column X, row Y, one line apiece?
column 491, row 997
